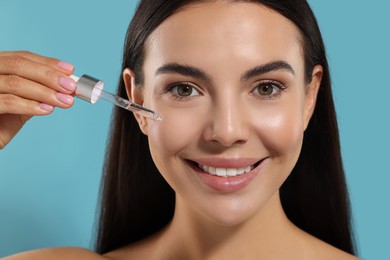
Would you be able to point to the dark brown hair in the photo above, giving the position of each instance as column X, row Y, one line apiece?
column 136, row 201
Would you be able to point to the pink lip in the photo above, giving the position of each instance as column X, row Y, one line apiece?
column 232, row 183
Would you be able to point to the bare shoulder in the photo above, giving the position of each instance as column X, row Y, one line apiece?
column 335, row 253
column 57, row 253
column 330, row 252
column 138, row 250
column 322, row 250
column 314, row 248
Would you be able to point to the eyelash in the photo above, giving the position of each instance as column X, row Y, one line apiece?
column 173, row 90
column 277, row 89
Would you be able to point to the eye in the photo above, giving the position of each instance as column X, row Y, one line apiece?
column 268, row 89
column 183, row 90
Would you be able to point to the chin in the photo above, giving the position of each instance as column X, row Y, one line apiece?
column 234, row 212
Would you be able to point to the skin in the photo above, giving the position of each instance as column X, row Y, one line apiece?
column 225, row 121
column 233, row 122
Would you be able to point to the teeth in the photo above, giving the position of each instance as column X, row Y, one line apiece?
column 225, row 172
column 220, row 171
column 231, row 172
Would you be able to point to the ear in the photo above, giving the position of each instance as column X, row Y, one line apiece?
column 135, row 95
column 311, row 93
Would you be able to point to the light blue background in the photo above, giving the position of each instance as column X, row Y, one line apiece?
column 50, row 173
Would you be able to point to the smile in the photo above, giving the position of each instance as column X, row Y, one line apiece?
column 225, row 172
column 227, row 175
column 226, row 168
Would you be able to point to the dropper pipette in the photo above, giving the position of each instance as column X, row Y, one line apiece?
column 91, row 90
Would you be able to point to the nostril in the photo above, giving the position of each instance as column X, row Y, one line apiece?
column 226, row 133
column 228, row 142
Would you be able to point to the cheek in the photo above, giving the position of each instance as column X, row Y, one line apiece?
column 174, row 133
column 281, row 130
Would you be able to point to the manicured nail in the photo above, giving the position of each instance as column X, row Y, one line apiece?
column 46, row 107
column 65, row 66
column 64, row 98
column 67, row 83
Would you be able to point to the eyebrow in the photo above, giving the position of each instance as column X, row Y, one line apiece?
column 266, row 68
column 185, row 70
column 194, row 72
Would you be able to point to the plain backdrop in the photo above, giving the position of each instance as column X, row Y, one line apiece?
column 50, row 173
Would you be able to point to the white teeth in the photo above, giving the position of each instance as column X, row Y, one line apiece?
column 225, row 172
column 220, row 171
column 231, row 172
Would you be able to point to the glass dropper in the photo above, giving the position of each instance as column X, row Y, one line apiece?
column 91, row 90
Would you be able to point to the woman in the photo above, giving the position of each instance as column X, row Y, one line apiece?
column 245, row 162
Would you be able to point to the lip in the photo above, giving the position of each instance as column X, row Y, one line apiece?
column 227, row 184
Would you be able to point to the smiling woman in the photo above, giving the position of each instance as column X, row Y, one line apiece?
column 238, row 166
column 236, row 97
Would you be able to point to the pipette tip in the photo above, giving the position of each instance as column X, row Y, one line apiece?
column 157, row 117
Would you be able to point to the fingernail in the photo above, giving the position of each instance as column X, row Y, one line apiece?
column 67, row 99
column 46, row 107
column 65, row 66
column 67, row 83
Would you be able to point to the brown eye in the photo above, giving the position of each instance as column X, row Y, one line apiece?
column 266, row 89
column 183, row 90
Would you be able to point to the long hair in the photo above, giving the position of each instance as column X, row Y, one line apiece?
column 137, row 202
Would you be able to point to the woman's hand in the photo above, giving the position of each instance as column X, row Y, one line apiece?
column 31, row 85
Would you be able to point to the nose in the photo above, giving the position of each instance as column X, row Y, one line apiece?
column 227, row 124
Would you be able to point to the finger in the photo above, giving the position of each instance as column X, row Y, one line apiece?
column 10, row 104
column 65, row 67
column 41, row 73
column 27, row 89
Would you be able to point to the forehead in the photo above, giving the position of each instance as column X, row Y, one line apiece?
column 222, row 30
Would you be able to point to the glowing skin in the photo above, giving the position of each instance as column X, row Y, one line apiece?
column 225, row 122
column 220, row 118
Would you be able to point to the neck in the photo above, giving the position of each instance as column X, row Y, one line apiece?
column 195, row 237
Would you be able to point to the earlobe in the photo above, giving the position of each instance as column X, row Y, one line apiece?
column 311, row 94
column 135, row 95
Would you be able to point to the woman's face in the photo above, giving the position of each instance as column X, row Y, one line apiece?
column 228, row 80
